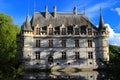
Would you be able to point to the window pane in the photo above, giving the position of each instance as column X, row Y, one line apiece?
column 37, row 31
column 63, row 31
column 90, row 43
column 37, row 43
column 63, row 43
column 76, row 31
column 89, row 31
column 63, row 55
column 37, row 55
column 77, row 56
column 50, row 31
column 90, row 55
column 50, row 43
column 76, row 42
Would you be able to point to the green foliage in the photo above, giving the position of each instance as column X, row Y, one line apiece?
column 114, row 63
column 8, row 61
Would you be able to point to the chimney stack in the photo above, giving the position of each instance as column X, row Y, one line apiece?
column 54, row 11
column 75, row 10
column 46, row 11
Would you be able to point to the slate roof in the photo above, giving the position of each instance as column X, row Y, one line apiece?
column 65, row 18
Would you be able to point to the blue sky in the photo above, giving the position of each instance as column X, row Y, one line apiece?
column 18, row 9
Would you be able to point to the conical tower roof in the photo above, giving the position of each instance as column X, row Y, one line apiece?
column 101, row 22
column 26, row 25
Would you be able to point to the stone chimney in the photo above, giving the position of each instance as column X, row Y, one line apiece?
column 46, row 11
column 75, row 11
column 55, row 14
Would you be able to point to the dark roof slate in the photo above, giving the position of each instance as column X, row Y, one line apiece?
column 65, row 18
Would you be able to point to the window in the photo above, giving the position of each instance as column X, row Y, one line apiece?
column 44, row 30
column 50, row 59
column 50, row 31
column 63, row 55
column 63, row 43
column 77, row 56
column 70, row 29
column 89, row 31
column 37, row 31
column 50, row 43
column 63, row 31
column 83, row 30
column 37, row 43
column 76, row 31
column 57, row 30
column 37, row 55
column 89, row 43
column 76, row 42
column 90, row 55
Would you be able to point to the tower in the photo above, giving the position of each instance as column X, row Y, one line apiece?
column 103, row 39
column 26, row 39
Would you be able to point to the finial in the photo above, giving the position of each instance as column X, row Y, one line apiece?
column 28, row 12
column 84, row 9
column 28, row 8
column 34, row 6
column 100, row 10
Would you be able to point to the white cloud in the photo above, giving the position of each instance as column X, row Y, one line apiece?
column 114, row 38
column 118, row 10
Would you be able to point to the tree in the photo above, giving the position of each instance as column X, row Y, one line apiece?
column 8, row 32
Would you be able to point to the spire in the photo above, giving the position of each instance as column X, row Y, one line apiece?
column 26, row 25
column 101, row 22
column 84, row 9
column 33, row 17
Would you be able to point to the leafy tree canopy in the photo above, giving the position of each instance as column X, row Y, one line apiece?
column 8, row 31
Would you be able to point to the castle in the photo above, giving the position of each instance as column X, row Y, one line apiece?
column 61, row 40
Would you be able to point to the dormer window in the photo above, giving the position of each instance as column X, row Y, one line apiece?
column 76, row 31
column 37, row 31
column 70, row 30
column 50, row 31
column 89, row 31
column 57, row 30
column 63, row 31
column 83, row 30
column 44, row 30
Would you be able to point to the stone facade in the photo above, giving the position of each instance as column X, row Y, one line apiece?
column 61, row 40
